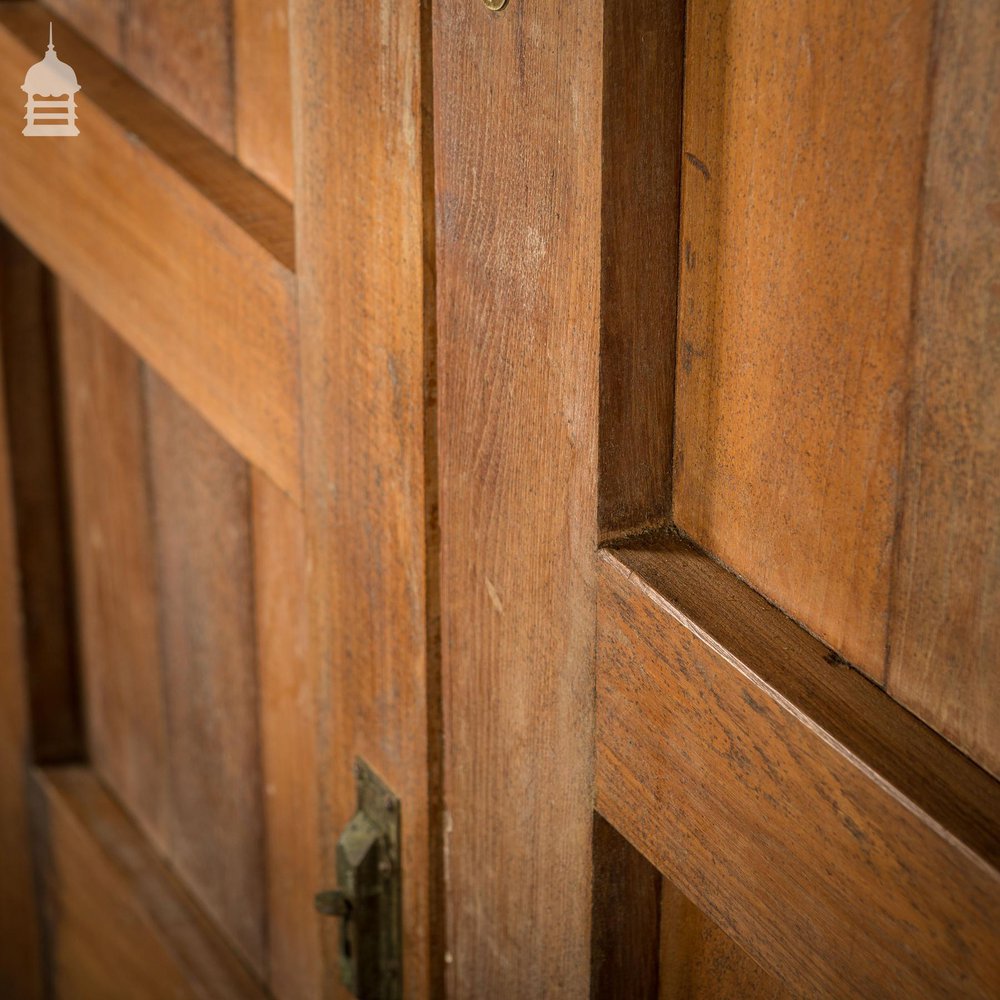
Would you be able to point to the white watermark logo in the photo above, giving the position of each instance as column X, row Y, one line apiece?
column 51, row 88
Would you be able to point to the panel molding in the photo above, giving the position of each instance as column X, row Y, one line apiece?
column 844, row 844
column 185, row 253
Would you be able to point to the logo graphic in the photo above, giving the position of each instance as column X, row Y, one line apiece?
column 50, row 78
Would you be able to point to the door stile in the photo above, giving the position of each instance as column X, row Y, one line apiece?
column 364, row 251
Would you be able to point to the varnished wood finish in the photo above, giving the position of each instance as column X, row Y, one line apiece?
column 364, row 228
column 945, row 630
column 20, row 938
column 263, row 104
column 123, row 928
column 624, row 920
column 519, row 268
column 201, row 499
column 803, row 147
column 641, row 162
column 115, row 562
column 158, row 229
column 289, row 708
column 788, row 797
column 699, row 962
column 31, row 384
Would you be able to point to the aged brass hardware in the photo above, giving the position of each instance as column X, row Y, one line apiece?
column 495, row 4
column 368, row 896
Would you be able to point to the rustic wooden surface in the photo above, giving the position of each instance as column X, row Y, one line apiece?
column 788, row 797
column 289, row 708
column 803, row 148
column 263, row 100
column 640, row 216
column 122, row 926
column 624, row 920
column 945, row 629
column 164, row 228
column 699, row 962
column 20, row 940
column 115, row 563
column 201, row 499
column 30, row 376
column 364, row 225
column 517, row 105
column 183, row 49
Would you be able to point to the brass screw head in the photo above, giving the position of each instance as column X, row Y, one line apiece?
column 495, row 4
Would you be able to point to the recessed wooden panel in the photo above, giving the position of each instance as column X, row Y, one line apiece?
column 183, row 51
column 945, row 634
column 624, row 919
column 123, row 928
column 263, row 90
column 34, row 437
column 699, row 962
column 115, row 563
column 201, row 499
column 20, row 938
column 364, row 225
column 831, row 834
column 803, row 154
column 183, row 252
column 289, row 708
column 99, row 21
column 640, row 180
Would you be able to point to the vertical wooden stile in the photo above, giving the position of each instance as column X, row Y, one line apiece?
column 364, row 246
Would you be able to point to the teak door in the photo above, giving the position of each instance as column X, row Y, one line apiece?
column 584, row 415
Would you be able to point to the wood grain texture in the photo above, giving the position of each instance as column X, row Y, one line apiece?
column 99, row 21
column 625, row 919
column 364, row 226
column 518, row 100
column 640, row 216
column 263, row 99
column 20, row 929
column 31, row 382
column 698, row 961
column 183, row 51
column 201, row 499
column 289, row 706
column 945, row 628
column 841, row 842
column 123, row 926
column 164, row 228
column 803, row 144
column 115, row 563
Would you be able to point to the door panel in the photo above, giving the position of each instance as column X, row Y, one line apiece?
column 706, row 291
column 945, row 628
column 804, row 134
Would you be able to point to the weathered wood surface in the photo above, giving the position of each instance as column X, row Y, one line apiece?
column 699, row 962
column 290, row 705
column 517, row 105
column 945, row 631
column 201, row 499
column 116, row 564
column 165, row 230
column 364, row 230
column 803, row 155
column 841, row 842
column 640, row 218
column 122, row 926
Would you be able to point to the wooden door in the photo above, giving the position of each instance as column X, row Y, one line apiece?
column 585, row 414
column 216, row 506
column 719, row 429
